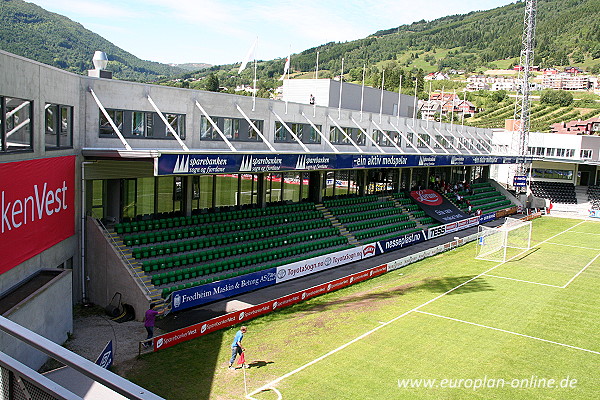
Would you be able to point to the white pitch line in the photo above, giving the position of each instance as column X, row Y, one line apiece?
column 587, row 233
column 521, row 280
column 511, row 332
column 269, row 386
column 577, row 247
column 582, row 269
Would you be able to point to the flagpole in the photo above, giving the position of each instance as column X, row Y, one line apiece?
column 429, row 102
column 341, row 82
column 399, row 100
column 254, row 91
column 462, row 118
column 442, row 108
column 452, row 113
column 362, row 92
column 381, row 98
column 316, row 77
column 415, row 104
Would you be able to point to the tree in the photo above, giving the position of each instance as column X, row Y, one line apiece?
column 556, row 97
column 498, row 96
column 212, row 83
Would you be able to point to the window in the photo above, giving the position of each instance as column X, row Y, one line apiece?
column 16, row 130
column 281, row 133
column 142, row 124
column 116, row 116
column 335, row 135
column 58, row 126
column 550, row 151
column 138, row 124
column 232, row 128
column 252, row 135
column 586, row 154
column 207, row 132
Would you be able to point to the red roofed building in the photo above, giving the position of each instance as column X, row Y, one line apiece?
column 588, row 127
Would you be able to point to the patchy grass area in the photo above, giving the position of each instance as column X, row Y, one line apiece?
column 450, row 322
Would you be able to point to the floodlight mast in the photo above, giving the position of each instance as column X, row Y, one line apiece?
column 522, row 104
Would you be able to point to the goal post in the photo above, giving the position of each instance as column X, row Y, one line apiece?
column 504, row 242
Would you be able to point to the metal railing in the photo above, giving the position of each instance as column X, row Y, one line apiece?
column 124, row 257
column 18, row 381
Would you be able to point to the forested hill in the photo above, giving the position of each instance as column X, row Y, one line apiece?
column 30, row 31
column 568, row 32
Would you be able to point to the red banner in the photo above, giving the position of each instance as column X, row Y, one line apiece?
column 225, row 321
column 37, row 207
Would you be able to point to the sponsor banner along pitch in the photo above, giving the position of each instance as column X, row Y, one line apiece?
column 181, row 335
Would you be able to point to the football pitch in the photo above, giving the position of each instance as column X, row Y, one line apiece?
column 447, row 327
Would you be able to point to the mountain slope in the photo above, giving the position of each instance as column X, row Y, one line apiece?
column 30, row 31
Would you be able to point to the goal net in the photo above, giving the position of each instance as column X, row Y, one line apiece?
column 504, row 242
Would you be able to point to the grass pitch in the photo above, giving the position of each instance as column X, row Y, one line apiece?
column 448, row 327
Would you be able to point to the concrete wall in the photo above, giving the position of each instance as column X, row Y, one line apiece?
column 47, row 312
column 106, row 274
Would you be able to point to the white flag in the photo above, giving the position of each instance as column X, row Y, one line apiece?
column 249, row 56
column 286, row 68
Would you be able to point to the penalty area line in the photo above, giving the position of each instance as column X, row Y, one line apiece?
column 521, row 280
column 269, row 386
column 511, row 332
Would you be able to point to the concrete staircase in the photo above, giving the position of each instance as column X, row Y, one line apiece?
column 337, row 224
column 136, row 267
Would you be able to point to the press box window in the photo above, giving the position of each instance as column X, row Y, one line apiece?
column 16, row 124
column 59, row 126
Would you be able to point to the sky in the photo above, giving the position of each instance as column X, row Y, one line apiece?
column 222, row 31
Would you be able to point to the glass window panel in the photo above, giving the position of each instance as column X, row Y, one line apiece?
column 128, row 196
column 149, row 132
column 291, row 186
column 145, row 195
column 248, row 193
column 51, row 122
column 18, row 131
column 206, row 129
column 304, row 184
column 97, row 193
column 66, row 127
column 227, row 128
column 137, row 123
column 164, row 193
column 206, row 191
column 280, row 132
column 226, row 191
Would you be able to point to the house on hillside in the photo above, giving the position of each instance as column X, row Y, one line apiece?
column 436, row 76
column 573, row 70
column 587, row 127
column 566, row 81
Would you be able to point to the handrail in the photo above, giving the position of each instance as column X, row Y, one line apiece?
column 123, row 256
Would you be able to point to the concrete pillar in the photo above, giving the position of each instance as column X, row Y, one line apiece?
column 315, row 183
column 113, row 198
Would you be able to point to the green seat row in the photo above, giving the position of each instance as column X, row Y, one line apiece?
column 388, row 229
column 174, row 222
column 373, row 223
column 168, row 290
column 368, row 215
column 218, row 253
column 411, row 207
column 418, row 214
column 349, row 201
column 234, row 237
column 229, row 265
column 361, row 207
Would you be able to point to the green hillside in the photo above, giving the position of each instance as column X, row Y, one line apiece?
column 30, row 31
column 568, row 33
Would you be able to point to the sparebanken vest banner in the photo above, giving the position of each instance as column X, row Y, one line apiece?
column 37, row 207
column 437, row 207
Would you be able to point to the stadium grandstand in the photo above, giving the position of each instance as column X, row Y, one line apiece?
column 182, row 197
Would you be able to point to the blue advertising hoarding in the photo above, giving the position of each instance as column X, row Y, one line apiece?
column 196, row 164
column 195, row 296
